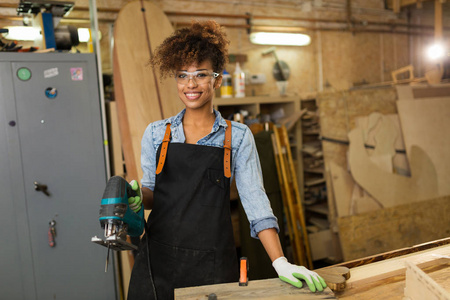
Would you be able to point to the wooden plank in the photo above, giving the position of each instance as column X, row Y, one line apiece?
column 135, row 83
column 339, row 110
column 268, row 289
column 362, row 202
column 426, row 123
column 404, row 92
column 422, row 91
column 438, row 27
column 394, row 228
column 342, row 186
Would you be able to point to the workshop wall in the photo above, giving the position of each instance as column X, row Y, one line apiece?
column 335, row 59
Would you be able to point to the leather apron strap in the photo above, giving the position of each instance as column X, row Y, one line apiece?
column 227, row 152
column 226, row 146
column 163, row 154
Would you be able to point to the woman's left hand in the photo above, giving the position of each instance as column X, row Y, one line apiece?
column 292, row 274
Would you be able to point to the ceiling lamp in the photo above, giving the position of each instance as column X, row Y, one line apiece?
column 28, row 33
column 436, row 52
column 280, row 39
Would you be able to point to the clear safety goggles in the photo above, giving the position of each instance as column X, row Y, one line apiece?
column 199, row 77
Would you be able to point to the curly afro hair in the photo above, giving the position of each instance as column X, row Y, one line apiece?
column 200, row 42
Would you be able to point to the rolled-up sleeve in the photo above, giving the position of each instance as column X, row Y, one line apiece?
column 249, row 182
column 148, row 159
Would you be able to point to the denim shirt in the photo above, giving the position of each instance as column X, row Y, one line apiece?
column 245, row 166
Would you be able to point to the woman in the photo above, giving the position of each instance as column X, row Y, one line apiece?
column 188, row 161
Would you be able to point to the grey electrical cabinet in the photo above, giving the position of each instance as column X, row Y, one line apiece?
column 52, row 177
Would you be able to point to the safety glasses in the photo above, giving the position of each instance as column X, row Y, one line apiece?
column 199, row 77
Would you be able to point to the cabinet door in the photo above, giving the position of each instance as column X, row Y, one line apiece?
column 61, row 144
column 15, row 251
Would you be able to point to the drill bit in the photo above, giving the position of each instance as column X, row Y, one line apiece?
column 107, row 259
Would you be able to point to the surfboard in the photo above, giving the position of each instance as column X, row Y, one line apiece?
column 141, row 96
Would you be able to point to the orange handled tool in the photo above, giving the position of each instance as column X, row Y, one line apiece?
column 243, row 279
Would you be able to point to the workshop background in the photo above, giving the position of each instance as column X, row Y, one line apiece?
column 352, row 129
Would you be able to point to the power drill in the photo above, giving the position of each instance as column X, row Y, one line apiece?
column 117, row 218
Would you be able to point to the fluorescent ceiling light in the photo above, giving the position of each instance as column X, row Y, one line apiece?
column 281, row 39
column 22, row 33
column 435, row 51
column 28, row 33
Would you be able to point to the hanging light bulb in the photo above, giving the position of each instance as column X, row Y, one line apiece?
column 436, row 51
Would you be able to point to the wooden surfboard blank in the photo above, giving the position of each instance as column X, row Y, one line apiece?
column 137, row 33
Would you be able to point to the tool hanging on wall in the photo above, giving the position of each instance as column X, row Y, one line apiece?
column 291, row 197
column 281, row 69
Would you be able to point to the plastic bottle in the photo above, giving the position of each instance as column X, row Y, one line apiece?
column 239, row 82
column 226, row 89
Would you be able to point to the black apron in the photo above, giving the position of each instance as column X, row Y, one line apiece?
column 189, row 232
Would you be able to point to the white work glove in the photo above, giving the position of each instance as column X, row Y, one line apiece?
column 135, row 203
column 292, row 274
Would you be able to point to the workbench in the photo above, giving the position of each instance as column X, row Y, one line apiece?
column 266, row 289
column 376, row 277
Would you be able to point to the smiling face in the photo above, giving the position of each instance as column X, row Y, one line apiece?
column 195, row 95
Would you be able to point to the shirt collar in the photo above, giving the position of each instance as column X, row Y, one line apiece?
column 219, row 121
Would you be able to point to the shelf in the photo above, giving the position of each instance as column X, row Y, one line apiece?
column 321, row 223
column 254, row 100
column 319, row 208
column 313, row 182
column 319, row 170
column 311, row 132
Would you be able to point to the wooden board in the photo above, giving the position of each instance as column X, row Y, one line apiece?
column 267, row 289
column 422, row 91
column 135, row 84
column 388, row 188
column 342, row 183
column 339, row 110
column 393, row 228
column 338, row 114
column 378, row 129
column 321, row 244
column 426, row 123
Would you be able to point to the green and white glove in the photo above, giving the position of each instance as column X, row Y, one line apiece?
column 292, row 274
column 135, row 203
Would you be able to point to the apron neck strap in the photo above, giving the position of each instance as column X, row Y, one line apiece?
column 226, row 146
column 227, row 152
column 164, row 146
